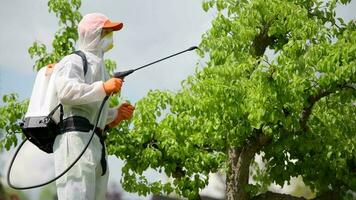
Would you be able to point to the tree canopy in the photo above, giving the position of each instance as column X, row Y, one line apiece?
column 297, row 105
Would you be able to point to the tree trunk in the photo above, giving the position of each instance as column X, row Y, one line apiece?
column 231, row 180
column 238, row 173
column 239, row 161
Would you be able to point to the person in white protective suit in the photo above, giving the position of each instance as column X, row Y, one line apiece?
column 81, row 97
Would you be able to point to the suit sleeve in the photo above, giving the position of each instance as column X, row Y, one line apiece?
column 72, row 89
column 112, row 114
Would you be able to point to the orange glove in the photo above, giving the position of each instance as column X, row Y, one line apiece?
column 125, row 112
column 112, row 85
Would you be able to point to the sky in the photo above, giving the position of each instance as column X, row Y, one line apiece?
column 152, row 29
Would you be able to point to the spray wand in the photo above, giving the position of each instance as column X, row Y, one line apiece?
column 123, row 74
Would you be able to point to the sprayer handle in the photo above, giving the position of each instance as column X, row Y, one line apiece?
column 123, row 74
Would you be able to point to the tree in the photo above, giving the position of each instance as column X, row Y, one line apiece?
column 297, row 107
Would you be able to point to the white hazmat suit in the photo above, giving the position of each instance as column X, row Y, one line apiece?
column 81, row 96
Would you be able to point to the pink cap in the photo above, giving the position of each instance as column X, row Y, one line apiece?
column 93, row 21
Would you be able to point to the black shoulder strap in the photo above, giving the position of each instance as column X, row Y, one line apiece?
column 84, row 58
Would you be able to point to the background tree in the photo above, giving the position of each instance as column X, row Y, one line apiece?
column 297, row 106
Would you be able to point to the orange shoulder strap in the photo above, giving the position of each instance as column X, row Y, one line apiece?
column 49, row 69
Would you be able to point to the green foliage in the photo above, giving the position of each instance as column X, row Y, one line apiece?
column 160, row 147
column 110, row 66
column 10, row 113
column 241, row 89
column 63, row 44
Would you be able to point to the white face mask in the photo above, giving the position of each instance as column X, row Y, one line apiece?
column 107, row 42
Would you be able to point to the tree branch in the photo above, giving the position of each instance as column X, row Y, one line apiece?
column 262, row 41
column 306, row 112
column 276, row 196
column 330, row 195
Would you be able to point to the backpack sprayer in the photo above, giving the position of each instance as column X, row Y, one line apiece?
column 45, row 124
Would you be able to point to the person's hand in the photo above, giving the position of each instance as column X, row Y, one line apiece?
column 125, row 112
column 112, row 85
